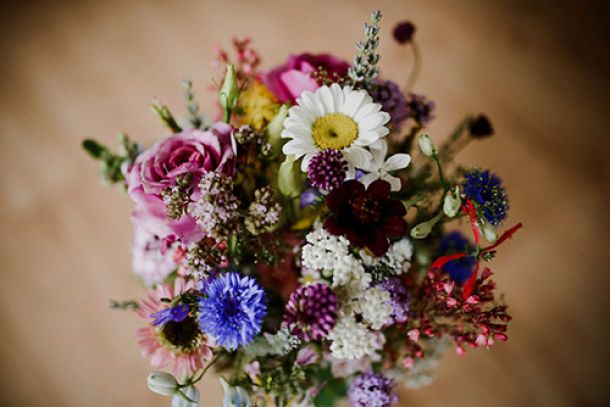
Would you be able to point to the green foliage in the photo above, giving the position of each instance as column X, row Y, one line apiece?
column 111, row 163
column 332, row 392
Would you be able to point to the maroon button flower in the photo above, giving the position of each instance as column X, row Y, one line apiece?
column 366, row 217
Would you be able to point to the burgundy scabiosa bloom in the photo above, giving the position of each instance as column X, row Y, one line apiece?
column 365, row 216
column 327, row 169
column 403, row 32
column 480, row 127
column 311, row 311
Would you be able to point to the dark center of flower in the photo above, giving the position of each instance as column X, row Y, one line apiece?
column 366, row 210
column 184, row 335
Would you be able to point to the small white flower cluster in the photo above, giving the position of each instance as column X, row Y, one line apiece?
column 397, row 258
column 331, row 255
column 281, row 343
column 352, row 340
column 375, row 307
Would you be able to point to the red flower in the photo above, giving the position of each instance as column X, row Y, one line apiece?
column 366, row 217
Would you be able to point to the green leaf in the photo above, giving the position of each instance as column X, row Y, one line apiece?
column 94, row 149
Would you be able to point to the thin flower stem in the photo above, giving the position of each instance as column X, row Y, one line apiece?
column 206, row 369
column 441, row 174
column 416, row 68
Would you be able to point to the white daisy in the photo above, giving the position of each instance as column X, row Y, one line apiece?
column 334, row 118
column 379, row 167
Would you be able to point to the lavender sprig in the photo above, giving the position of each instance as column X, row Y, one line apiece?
column 364, row 68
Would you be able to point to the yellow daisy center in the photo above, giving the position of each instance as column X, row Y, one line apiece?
column 334, row 131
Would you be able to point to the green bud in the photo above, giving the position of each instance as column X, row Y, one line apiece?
column 422, row 230
column 289, row 179
column 452, row 202
column 229, row 92
column 274, row 130
column 489, row 232
column 426, row 146
column 162, row 383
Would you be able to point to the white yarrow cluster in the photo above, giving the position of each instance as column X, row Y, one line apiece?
column 397, row 258
column 376, row 307
column 331, row 255
column 352, row 340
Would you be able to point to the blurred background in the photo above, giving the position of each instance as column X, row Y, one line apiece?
column 71, row 70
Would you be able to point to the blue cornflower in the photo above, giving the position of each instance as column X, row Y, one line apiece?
column 486, row 192
column 461, row 269
column 175, row 314
column 232, row 310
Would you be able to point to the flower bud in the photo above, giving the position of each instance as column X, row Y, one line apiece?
column 426, row 146
column 234, row 396
column 229, row 92
column 162, row 383
column 186, row 397
column 274, row 130
column 422, row 230
column 289, row 179
column 452, row 202
column 489, row 231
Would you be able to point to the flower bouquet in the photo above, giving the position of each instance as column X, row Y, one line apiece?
column 305, row 243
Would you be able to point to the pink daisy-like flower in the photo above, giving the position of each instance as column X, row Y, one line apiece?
column 181, row 344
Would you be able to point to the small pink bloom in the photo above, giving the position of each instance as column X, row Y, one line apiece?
column 460, row 351
column 413, row 334
column 449, row 287
column 408, row 362
column 288, row 81
column 451, row 302
column 149, row 259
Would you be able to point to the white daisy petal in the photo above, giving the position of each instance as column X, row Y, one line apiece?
column 338, row 97
column 352, row 103
column 306, row 159
column 397, row 162
column 297, row 147
column 365, row 110
column 326, row 96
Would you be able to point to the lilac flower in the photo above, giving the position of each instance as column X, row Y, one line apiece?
column 399, row 299
column 311, row 311
column 372, row 390
column 388, row 94
column 309, row 197
column 232, row 310
column 176, row 314
column 420, row 108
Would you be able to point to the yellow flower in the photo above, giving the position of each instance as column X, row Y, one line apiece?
column 257, row 106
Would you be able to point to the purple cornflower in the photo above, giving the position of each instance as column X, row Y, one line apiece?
column 487, row 194
column 420, row 108
column 403, row 32
column 399, row 297
column 372, row 390
column 388, row 94
column 175, row 314
column 327, row 169
column 232, row 310
column 311, row 311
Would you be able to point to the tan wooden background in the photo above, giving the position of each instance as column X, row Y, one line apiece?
column 69, row 70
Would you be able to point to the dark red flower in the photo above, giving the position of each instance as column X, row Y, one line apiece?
column 366, row 217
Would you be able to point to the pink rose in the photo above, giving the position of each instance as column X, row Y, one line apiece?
column 192, row 151
column 288, row 81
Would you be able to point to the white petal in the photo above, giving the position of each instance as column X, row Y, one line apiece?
column 297, row 148
column 370, row 123
column 397, row 162
column 394, row 182
column 338, row 97
column 312, row 103
column 352, row 103
column 364, row 111
column 326, row 97
column 357, row 156
column 298, row 113
column 368, row 178
column 307, row 159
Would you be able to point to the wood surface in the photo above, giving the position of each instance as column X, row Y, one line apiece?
column 69, row 70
